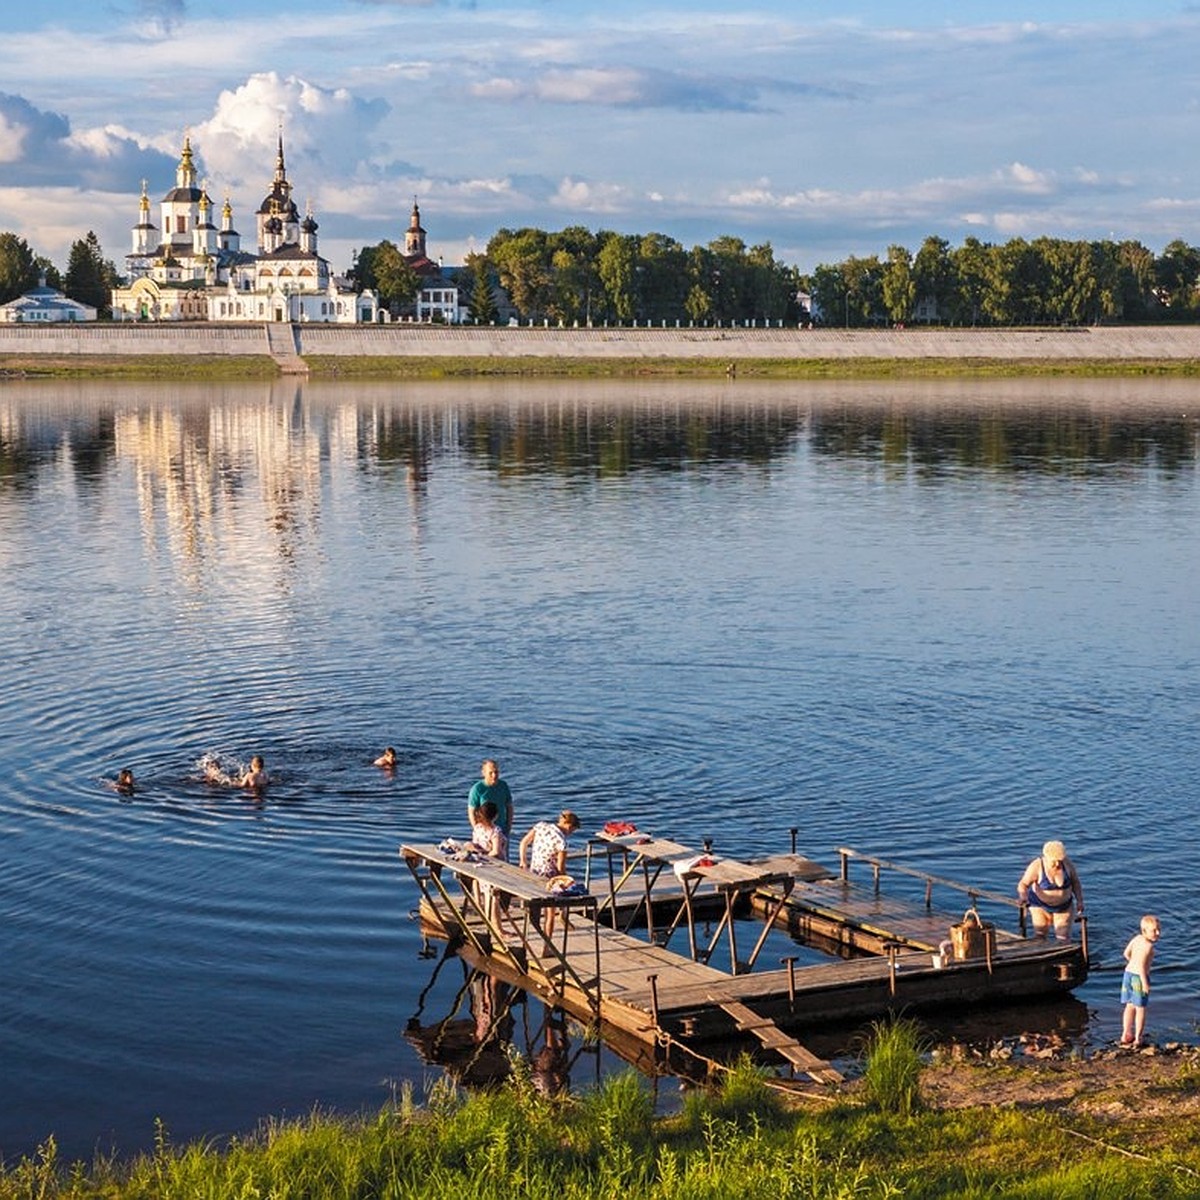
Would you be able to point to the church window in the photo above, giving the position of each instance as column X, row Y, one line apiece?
column 181, row 224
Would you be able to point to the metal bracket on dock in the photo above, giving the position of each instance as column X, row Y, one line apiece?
column 508, row 926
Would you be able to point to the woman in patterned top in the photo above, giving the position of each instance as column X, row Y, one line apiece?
column 544, row 848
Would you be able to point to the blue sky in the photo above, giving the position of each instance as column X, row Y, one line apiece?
column 825, row 130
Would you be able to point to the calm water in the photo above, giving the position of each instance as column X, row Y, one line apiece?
column 936, row 622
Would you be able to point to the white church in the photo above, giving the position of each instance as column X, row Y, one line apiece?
column 188, row 269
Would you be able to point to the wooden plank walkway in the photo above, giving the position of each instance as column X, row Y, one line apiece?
column 773, row 1038
column 885, row 918
column 648, row 993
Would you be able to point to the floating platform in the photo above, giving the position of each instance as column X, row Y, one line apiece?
column 605, row 955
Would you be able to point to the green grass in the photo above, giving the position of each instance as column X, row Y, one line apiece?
column 218, row 367
column 138, row 366
column 740, row 1141
column 463, row 366
column 891, row 1078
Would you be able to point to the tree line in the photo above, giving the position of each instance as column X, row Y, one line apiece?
column 1047, row 281
column 577, row 276
column 89, row 279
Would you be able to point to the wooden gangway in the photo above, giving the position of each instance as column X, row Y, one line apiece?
column 604, row 957
column 579, row 963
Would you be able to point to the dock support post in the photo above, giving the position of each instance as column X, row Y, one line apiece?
column 653, row 982
column 845, row 872
column 1083, row 937
column 875, row 872
column 891, row 948
column 596, row 940
column 790, row 963
column 795, row 829
column 1024, row 910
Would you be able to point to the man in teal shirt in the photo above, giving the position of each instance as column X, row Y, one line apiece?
column 491, row 787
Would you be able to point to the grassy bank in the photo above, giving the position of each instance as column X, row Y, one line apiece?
column 137, row 366
column 183, row 367
column 456, row 367
column 742, row 1141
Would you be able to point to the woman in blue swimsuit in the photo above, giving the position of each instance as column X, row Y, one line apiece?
column 1051, row 889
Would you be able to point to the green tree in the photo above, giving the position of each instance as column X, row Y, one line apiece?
column 90, row 278
column 46, row 268
column 18, row 267
column 482, row 305
column 617, row 268
column 1176, row 274
column 828, row 289
column 576, row 291
column 395, row 281
column 730, row 275
column 1017, row 279
column 935, row 277
column 769, row 285
column 522, row 262
column 1135, row 298
column 971, row 281
column 898, row 286
column 864, row 292
column 664, row 277
column 568, row 286
column 363, row 271
column 698, row 305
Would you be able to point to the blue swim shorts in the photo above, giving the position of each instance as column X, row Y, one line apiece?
column 1131, row 990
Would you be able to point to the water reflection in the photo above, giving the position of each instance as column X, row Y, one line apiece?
column 476, row 1040
column 197, row 450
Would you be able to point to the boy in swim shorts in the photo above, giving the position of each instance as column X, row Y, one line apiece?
column 1135, row 984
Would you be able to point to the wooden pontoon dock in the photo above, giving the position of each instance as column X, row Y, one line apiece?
column 608, row 961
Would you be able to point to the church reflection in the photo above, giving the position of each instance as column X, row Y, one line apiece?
column 205, row 457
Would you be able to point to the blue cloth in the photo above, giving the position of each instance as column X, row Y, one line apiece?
column 500, row 796
column 1131, row 990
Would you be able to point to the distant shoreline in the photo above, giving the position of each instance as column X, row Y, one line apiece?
column 119, row 350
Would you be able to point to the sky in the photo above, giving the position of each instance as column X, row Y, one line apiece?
column 825, row 130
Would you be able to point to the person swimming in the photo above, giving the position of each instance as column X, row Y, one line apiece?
column 254, row 778
column 387, row 759
column 124, row 781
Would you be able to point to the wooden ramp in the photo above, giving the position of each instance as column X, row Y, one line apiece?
column 561, row 948
column 773, row 1038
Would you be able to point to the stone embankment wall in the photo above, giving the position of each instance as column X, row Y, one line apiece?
column 729, row 343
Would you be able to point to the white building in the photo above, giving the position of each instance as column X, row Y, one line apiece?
column 192, row 270
column 440, row 298
column 43, row 304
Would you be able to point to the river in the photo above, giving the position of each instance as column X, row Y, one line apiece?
column 936, row 621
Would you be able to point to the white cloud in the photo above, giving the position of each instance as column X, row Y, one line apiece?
column 327, row 132
column 50, row 219
column 1027, row 178
column 580, row 196
column 12, row 139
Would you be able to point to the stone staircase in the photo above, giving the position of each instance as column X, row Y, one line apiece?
column 283, row 347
